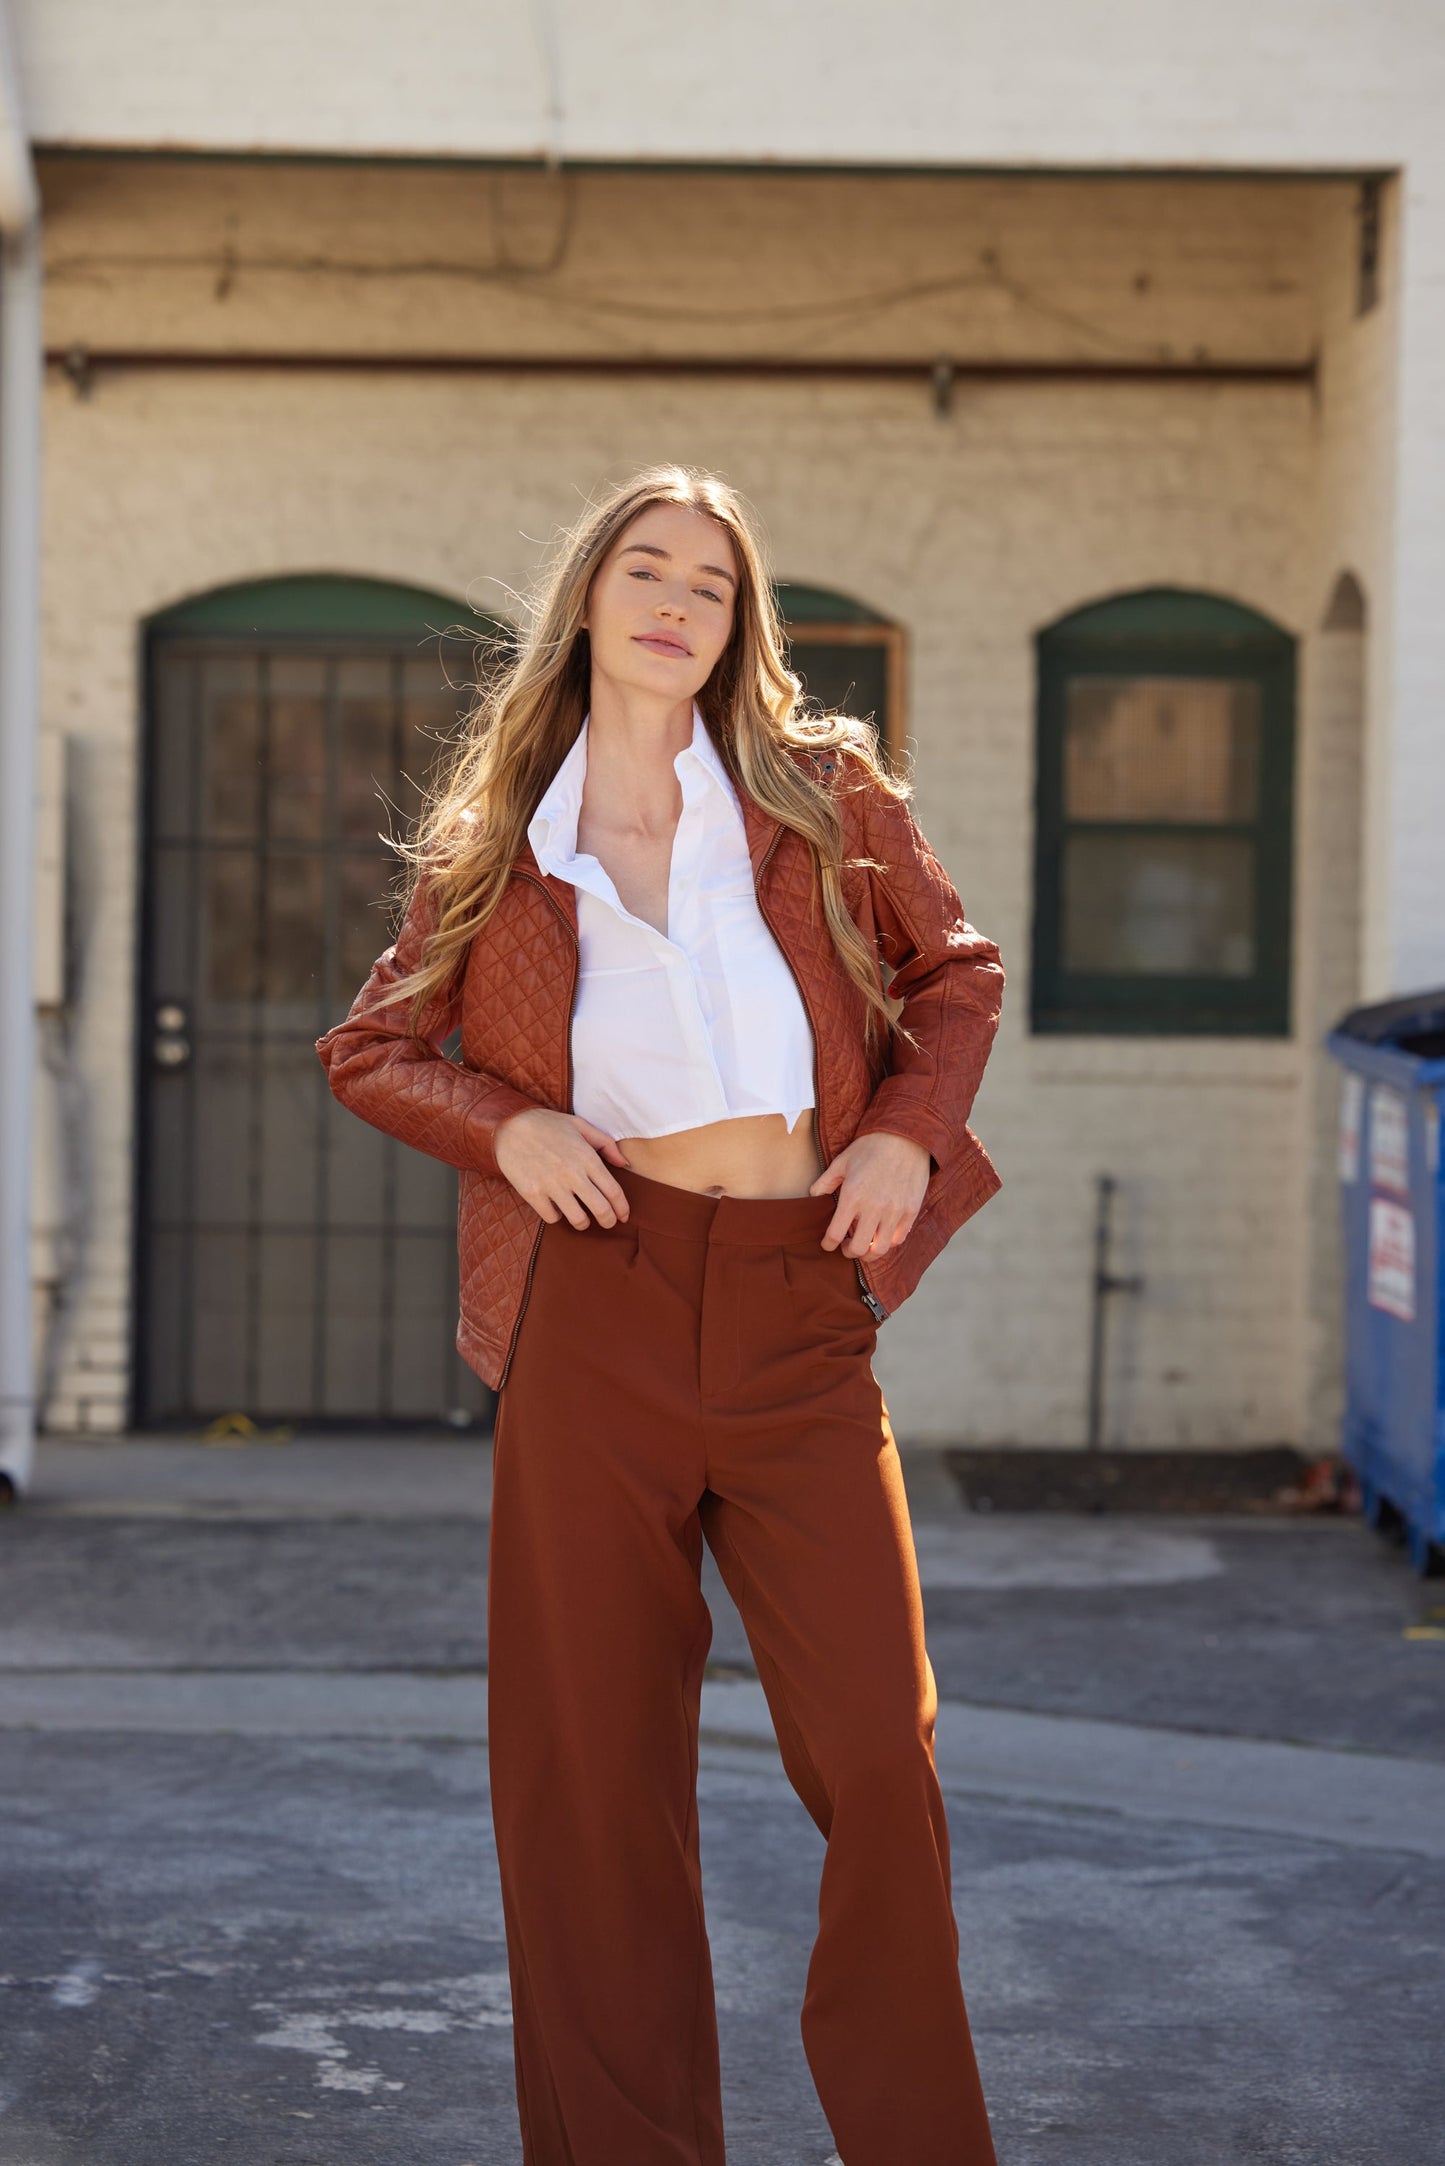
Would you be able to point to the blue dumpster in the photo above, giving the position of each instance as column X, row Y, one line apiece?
column 1393, row 1054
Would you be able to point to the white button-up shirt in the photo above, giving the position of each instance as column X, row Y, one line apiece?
column 701, row 1023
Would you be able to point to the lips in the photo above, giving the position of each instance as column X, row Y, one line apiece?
column 660, row 643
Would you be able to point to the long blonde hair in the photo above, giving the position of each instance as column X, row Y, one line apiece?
column 530, row 707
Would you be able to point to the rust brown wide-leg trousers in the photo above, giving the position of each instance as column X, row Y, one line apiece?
column 704, row 1370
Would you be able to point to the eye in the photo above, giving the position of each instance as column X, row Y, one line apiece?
column 642, row 571
column 711, row 595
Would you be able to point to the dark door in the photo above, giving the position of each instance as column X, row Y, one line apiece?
column 294, row 1263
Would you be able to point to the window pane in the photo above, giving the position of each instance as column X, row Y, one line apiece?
column 432, row 714
column 1161, row 748
column 1169, row 905
column 849, row 675
column 295, row 928
column 366, row 701
column 230, row 933
column 231, row 725
column 367, row 905
column 296, row 747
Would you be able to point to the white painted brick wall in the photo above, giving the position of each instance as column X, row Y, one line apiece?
column 191, row 496
column 1088, row 85
column 1120, row 83
column 973, row 531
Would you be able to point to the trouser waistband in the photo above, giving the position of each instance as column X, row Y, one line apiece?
column 695, row 1216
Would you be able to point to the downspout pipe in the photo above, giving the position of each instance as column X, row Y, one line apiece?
column 21, row 379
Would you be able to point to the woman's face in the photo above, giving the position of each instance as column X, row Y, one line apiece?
column 660, row 609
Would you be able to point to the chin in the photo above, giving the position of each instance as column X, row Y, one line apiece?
column 674, row 674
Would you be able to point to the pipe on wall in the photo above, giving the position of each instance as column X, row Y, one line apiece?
column 21, row 380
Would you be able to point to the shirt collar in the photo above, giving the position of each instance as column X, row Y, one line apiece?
column 552, row 830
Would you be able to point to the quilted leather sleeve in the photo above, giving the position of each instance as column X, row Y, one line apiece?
column 413, row 1091
column 947, row 974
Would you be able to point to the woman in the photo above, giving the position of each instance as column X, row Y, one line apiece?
column 704, row 1150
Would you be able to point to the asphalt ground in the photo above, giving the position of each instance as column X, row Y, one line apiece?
column 248, row 1904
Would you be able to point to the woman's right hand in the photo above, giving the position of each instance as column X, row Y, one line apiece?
column 555, row 1160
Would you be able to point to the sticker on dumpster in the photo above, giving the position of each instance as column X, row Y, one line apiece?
column 1389, row 1139
column 1392, row 1259
column 1352, row 1102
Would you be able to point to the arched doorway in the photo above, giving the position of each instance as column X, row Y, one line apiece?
column 292, row 1263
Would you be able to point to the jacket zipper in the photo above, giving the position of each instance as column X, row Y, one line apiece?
column 567, row 1093
column 866, row 1291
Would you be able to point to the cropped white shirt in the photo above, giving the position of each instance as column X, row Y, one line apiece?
column 703, row 1022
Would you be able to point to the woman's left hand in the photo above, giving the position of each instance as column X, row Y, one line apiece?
column 881, row 1179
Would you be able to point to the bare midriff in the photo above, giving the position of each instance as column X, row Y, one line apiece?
column 751, row 1155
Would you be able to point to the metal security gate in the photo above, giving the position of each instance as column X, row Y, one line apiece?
column 294, row 1264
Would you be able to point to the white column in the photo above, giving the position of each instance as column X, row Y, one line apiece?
column 1405, row 921
column 20, row 388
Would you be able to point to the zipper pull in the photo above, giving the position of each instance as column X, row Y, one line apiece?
column 868, row 1295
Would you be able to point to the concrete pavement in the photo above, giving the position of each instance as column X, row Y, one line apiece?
column 249, row 1901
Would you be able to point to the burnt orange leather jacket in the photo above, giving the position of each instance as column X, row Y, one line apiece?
column 513, row 999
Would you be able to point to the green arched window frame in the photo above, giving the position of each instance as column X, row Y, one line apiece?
column 1120, row 686
column 847, row 653
column 848, row 656
column 321, row 605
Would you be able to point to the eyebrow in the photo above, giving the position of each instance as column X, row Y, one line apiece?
column 651, row 549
